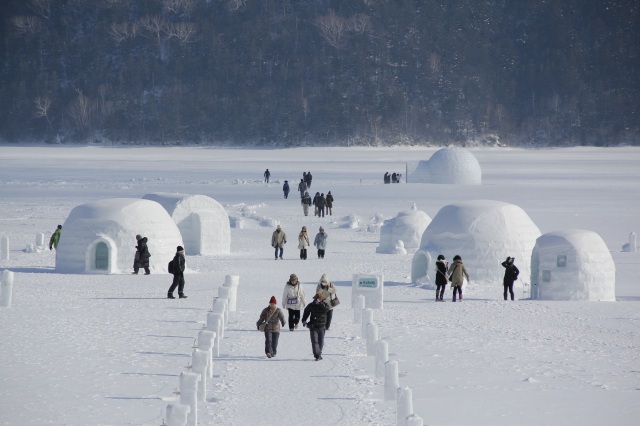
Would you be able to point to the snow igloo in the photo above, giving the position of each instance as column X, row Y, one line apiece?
column 100, row 236
column 483, row 233
column 202, row 221
column 451, row 165
column 408, row 227
column 572, row 265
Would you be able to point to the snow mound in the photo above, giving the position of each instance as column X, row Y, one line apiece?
column 451, row 165
column 408, row 227
column 483, row 233
column 100, row 236
column 202, row 221
column 572, row 265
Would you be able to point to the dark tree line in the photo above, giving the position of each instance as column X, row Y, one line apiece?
column 541, row 73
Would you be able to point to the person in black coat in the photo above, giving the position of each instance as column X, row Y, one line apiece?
column 316, row 312
column 442, row 267
column 285, row 189
column 178, row 274
column 267, row 174
column 510, row 275
column 142, row 256
column 308, row 179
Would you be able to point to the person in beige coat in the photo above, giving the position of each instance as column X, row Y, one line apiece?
column 328, row 291
column 273, row 317
column 456, row 276
column 303, row 242
column 278, row 240
column 293, row 300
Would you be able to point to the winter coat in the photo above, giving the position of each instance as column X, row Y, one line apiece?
column 143, row 252
column 511, row 272
column 442, row 268
column 276, row 319
column 308, row 179
column 178, row 264
column 302, row 186
column 329, row 199
column 303, row 240
column 317, row 311
column 278, row 239
column 306, row 200
column 293, row 296
column 285, row 187
column 315, row 198
column 55, row 238
column 457, row 272
column 320, row 241
column 321, row 202
column 329, row 293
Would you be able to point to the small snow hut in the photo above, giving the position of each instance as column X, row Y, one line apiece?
column 451, row 165
column 408, row 227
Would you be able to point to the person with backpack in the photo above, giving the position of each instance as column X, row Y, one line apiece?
column 511, row 273
column 316, row 312
column 285, row 189
column 328, row 291
column 442, row 267
column 456, row 276
column 271, row 317
column 141, row 259
column 293, row 300
column 176, row 267
column 55, row 238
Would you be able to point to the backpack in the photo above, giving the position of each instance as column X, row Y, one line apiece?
column 171, row 269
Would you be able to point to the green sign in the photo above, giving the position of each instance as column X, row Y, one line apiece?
column 367, row 282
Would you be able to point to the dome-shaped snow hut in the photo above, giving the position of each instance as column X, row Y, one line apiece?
column 100, row 236
column 451, row 165
column 572, row 265
column 483, row 233
column 408, row 227
column 202, row 221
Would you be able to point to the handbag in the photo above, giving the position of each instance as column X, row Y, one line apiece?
column 335, row 301
column 263, row 325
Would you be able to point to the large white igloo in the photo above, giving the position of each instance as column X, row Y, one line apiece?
column 572, row 265
column 408, row 227
column 100, row 236
column 483, row 233
column 451, row 165
column 202, row 221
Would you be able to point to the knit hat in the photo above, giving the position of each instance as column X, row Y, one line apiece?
column 273, row 300
column 59, row 226
column 321, row 229
column 180, row 248
column 278, row 227
column 440, row 257
column 324, row 278
column 293, row 277
column 138, row 237
column 457, row 257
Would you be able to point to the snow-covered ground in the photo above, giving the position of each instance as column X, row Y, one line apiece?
column 109, row 349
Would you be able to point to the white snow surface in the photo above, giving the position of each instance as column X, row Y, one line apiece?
column 450, row 165
column 92, row 349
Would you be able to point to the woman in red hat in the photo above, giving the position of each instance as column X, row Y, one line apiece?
column 271, row 317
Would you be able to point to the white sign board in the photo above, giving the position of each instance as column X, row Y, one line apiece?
column 371, row 287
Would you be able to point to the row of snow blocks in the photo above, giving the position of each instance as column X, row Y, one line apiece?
column 4, row 248
column 189, row 396
column 206, row 342
column 200, row 361
column 404, row 409
column 40, row 240
column 367, row 318
column 215, row 324
column 177, row 414
column 357, row 309
column 6, row 288
column 391, row 380
column 232, row 282
column 221, row 306
column 382, row 356
column 371, row 287
column 372, row 338
column 632, row 247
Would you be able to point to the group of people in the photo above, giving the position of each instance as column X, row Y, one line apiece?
column 279, row 239
column 176, row 266
column 316, row 316
column 393, row 178
column 320, row 201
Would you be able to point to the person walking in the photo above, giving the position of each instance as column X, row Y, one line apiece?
column 442, row 267
column 293, row 300
column 329, row 202
column 308, row 179
column 315, row 203
column 316, row 312
column 387, row 178
column 511, row 273
column 141, row 259
column 306, row 203
column 328, row 291
column 303, row 243
column 267, row 174
column 320, row 242
column 55, row 238
column 320, row 204
column 278, row 240
column 456, row 276
column 272, row 317
column 302, row 187
column 178, row 274
column 285, row 189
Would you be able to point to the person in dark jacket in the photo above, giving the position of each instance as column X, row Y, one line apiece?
column 442, row 267
column 302, row 187
column 273, row 317
column 329, row 202
column 306, row 203
column 142, row 256
column 55, row 238
column 285, row 189
column 178, row 274
column 387, row 178
column 267, row 174
column 316, row 312
column 308, row 179
column 511, row 273
column 320, row 204
column 315, row 203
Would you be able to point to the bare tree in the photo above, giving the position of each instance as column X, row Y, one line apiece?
column 81, row 111
column 155, row 25
column 333, row 28
column 42, row 108
column 434, row 62
column 183, row 31
column 42, row 7
column 234, row 5
column 123, row 30
column 359, row 23
column 26, row 24
column 179, row 6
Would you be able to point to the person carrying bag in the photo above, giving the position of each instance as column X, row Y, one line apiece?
column 269, row 322
column 328, row 291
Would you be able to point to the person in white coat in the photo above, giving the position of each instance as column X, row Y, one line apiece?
column 328, row 291
column 321, row 242
column 293, row 300
column 303, row 242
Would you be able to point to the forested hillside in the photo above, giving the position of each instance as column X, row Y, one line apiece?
column 335, row 72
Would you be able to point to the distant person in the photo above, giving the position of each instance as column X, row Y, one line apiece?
column 293, row 300
column 320, row 204
column 387, row 178
column 320, row 242
column 328, row 291
column 55, row 238
column 329, row 202
column 511, row 273
column 303, row 243
column 141, row 259
column 394, row 177
column 308, row 180
column 306, row 203
column 315, row 200
column 273, row 317
column 442, row 267
column 316, row 312
column 456, row 276
column 178, row 274
column 302, row 187
column 398, row 176
column 267, row 174
column 278, row 240
column 285, row 189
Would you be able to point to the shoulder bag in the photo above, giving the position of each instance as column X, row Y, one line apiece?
column 263, row 325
